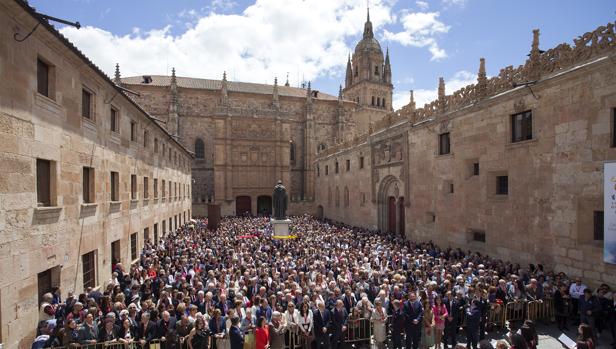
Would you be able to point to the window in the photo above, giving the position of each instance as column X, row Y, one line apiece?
column 318, row 171
column 155, row 232
column 155, row 145
column 88, row 261
column 170, row 193
column 376, row 70
column 42, row 77
column 133, row 131
column 163, row 187
column 114, row 120
column 155, row 188
column 336, row 167
column 356, row 71
column 292, row 152
column 444, row 145
column 43, row 182
column 133, row 187
column 522, row 126
column 133, row 246
column 372, row 100
column 146, row 188
column 475, row 169
column 378, row 101
column 199, row 148
column 326, row 170
column 88, row 185
column 479, row 236
column 115, row 185
column 321, row 147
column 146, row 235
column 361, row 162
column 86, row 104
column 164, row 222
column 382, row 102
column 145, row 138
column 450, row 188
column 598, row 226
column 502, row 185
column 348, row 165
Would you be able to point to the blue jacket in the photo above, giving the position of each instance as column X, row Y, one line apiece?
column 237, row 340
column 413, row 311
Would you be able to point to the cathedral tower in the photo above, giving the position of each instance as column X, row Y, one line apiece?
column 368, row 73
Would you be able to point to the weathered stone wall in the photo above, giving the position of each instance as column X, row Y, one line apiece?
column 34, row 239
column 555, row 179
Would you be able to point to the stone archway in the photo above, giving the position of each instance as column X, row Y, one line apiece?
column 390, row 205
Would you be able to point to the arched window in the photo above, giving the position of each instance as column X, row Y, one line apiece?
column 383, row 102
column 378, row 101
column 372, row 100
column 292, row 152
column 376, row 70
column 199, row 149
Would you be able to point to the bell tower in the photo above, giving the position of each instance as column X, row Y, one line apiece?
column 368, row 73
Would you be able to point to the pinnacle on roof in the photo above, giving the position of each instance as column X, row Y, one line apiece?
column 368, row 27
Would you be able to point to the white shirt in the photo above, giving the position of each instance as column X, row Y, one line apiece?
column 576, row 291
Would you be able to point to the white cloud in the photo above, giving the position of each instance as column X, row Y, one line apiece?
column 424, row 96
column 422, row 5
column 450, row 3
column 268, row 39
column 420, row 30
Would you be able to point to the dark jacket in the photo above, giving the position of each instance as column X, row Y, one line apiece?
column 147, row 332
column 320, row 322
column 88, row 333
column 237, row 340
column 413, row 311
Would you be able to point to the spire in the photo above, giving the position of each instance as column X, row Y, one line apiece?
column 412, row 102
column 275, row 93
column 387, row 68
column 368, row 26
column 224, row 95
column 348, row 81
column 340, row 94
column 441, row 94
column 117, row 78
column 534, row 58
column 387, row 56
column 482, row 80
column 287, row 83
column 309, row 94
column 173, row 86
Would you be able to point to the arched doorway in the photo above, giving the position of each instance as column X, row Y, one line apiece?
column 391, row 214
column 401, row 221
column 320, row 212
column 390, row 205
column 264, row 205
column 243, row 206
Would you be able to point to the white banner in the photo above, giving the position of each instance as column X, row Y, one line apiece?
column 609, row 212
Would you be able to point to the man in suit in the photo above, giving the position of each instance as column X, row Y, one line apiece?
column 413, row 311
column 398, row 323
column 264, row 311
column 146, row 331
column 322, row 322
column 454, row 311
column 88, row 333
column 349, row 300
column 165, row 330
column 235, row 335
column 473, row 318
column 339, row 320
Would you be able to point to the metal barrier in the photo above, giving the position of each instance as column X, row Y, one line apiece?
column 496, row 316
column 541, row 310
column 358, row 330
column 514, row 311
column 292, row 339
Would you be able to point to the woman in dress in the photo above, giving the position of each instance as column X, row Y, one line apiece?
column 262, row 334
column 440, row 314
column 428, row 327
column 304, row 322
column 199, row 337
column 379, row 322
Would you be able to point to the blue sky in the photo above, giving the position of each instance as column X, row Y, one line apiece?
column 258, row 40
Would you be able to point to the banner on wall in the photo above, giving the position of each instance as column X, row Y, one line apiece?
column 609, row 212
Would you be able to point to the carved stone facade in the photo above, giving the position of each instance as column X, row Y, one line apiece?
column 455, row 173
column 78, row 191
column 252, row 135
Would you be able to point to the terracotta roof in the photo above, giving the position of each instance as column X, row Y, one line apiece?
column 232, row 86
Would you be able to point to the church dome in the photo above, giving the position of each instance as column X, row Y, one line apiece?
column 368, row 42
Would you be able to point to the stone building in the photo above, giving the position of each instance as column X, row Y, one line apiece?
column 86, row 175
column 511, row 166
column 246, row 136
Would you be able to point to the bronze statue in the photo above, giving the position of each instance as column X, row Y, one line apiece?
column 280, row 201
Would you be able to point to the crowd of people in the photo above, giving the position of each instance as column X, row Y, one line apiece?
column 331, row 286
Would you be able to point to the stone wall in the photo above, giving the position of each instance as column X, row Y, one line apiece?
column 35, row 238
column 554, row 179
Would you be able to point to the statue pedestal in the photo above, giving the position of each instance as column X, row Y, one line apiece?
column 281, row 226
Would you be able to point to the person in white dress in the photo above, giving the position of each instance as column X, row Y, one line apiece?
column 305, row 324
column 379, row 323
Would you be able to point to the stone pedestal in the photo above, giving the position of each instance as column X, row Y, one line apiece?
column 281, row 227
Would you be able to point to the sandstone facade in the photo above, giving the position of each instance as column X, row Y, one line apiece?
column 47, row 244
column 466, row 171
